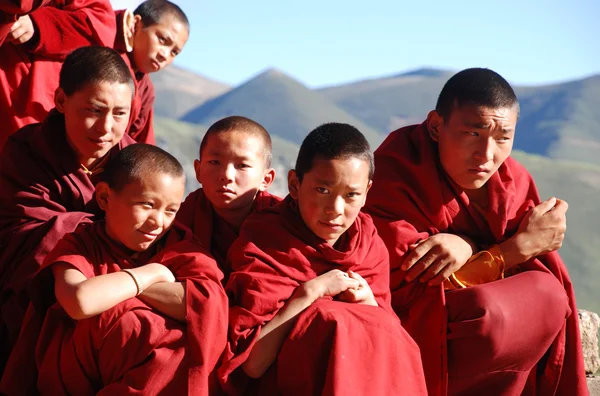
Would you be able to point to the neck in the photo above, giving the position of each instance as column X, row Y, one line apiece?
column 234, row 217
column 479, row 196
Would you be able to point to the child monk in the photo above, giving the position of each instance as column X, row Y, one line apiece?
column 235, row 171
column 310, row 302
column 35, row 38
column 139, row 306
column 476, row 277
column 48, row 172
column 149, row 39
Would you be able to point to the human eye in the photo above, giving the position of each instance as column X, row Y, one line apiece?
column 353, row 194
column 243, row 166
column 471, row 133
column 322, row 190
column 93, row 110
column 503, row 139
column 145, row 204
column 161, row 39
column 213, row 162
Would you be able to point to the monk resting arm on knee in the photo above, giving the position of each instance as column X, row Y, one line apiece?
column 541, row 231
column 349, row 287
column 83, row 297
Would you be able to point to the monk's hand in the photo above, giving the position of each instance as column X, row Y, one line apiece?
column 362, row 295
column 436, row 258
column 541, row 231
column 22, row 30
column 330, row 284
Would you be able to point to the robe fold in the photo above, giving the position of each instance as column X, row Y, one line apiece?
column 499, row 326
column 141, row 118
column 44, row 194
column 29, row 73
column 216, row 234
column 334, row 347
column 130, row 348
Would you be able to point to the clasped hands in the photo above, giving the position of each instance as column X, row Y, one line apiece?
column 434, row 259
column 348, row 287
column 21, row 31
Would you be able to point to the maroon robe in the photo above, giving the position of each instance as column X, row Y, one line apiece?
column 334, row 347
column 487, row 339
column 29, row 72
column 45, row 194
column 216, row 234
column 141, row 119
column 130, row 348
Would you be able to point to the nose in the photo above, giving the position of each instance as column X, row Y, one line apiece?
column 162, row 54
column 105, row 124
column 335, row 206
column 157, row 218
column 228, row 173
column 485, row 150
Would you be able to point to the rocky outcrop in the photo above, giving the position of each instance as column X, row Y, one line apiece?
column 588, row 327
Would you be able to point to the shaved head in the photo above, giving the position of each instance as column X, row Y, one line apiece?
column 244, row 125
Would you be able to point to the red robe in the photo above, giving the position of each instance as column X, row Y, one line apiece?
column 29, row 73
column 9, row 12
column 130, row 348
column 411, row 199
column 216, row 234
column 44, row 195
column 334, row 347
column 141, row 119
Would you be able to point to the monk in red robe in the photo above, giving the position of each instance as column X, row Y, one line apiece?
column 310, row 308
column 139, row 305
column 235, row 171
column 48, row 172
column 149, row 39
column 475, row 275
column 37, row 42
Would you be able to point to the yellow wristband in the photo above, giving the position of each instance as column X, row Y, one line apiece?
column 138, row 283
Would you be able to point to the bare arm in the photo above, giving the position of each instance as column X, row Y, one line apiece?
column 83, row 298
column 166, row 297
column 273, row 334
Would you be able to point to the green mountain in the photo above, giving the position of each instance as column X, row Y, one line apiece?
column 284, row 106
column 559, row 121
column 178, row 91
column 572, row 181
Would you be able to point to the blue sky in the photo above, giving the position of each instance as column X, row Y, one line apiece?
column 328, row 42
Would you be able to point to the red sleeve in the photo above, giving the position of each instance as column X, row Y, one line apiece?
column 142, row 128
column 78, row 23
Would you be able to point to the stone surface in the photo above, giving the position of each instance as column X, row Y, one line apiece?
column 594, row 386
column 588, row 326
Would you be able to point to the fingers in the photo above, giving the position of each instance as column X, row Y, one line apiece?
column 561, row 206
column 435, row 268
column 357, row 277
column 419, row 267
column 415, row 255
column 545, row 207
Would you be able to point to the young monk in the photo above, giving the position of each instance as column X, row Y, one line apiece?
column 475, row 275
column 235, row 172
column 149, row 39
column 310, row 301
column 139, row 303
column 48, row 172
column 35, row 38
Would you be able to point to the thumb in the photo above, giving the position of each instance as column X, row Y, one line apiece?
column 546, row 206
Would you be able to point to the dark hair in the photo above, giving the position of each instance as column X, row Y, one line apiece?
column 136, row 161
column 93, row 65
column 241, row 124
column 333, row 141
column 151, row 11
column 476, row 86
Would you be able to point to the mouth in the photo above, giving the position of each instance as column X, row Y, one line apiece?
column 155, row 65
column 99, row 142
column 479, row 171
column 330, row 225
column 225, row 191
column 149, row 235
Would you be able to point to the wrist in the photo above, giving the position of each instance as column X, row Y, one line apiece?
column 515, row 250
column 309, row 291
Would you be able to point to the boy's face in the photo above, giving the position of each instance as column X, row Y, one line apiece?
column 156, row 46
column 331, row 194
column 140, row 214
column 232, row 170
column 96, row 118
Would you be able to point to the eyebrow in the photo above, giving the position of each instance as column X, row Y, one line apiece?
column 485, row 126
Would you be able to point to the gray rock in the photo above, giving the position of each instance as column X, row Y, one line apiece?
column 588, row 326
column 594, row 385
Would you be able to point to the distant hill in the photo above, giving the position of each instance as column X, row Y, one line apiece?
column 577, row 183
column 179, row 90
column 559, row 121
column 284, row 106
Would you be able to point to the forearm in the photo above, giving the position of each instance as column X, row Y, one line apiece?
column 273, row 334
column 515, row 251
column 166, row 297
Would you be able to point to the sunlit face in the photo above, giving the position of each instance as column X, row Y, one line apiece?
column 156, row 46
column 96, row 118
column 331, row 195
column 474, row 142
column 232, row 170
column 141, row 213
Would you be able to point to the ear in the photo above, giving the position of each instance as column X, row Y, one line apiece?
column 293, row 184
column 434, row 121
column 129, row 28
column 366, row 192
column 197, row 170
column 60, row 98
column 103, row 193
column 267, row 179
